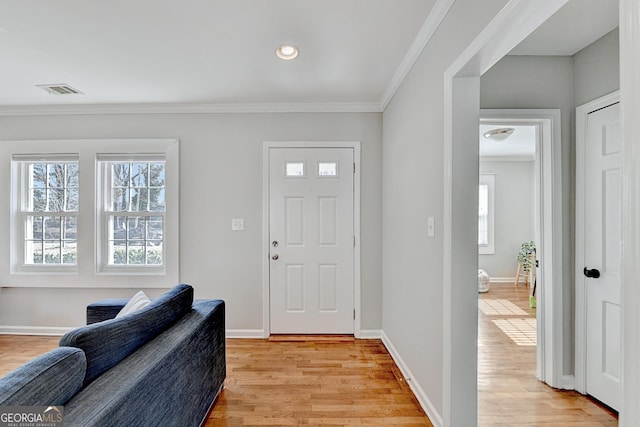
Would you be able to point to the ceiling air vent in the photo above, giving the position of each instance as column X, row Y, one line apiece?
column 59, row 89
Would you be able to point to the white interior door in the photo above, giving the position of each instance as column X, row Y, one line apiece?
column 602, row 234
column 311, row 231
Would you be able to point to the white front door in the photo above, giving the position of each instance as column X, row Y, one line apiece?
column 602, row 234
column 311, row 235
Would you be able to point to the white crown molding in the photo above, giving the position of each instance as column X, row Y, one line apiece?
column 427, row 30
column 55, row 110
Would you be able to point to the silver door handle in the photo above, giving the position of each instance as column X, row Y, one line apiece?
column 275, row 257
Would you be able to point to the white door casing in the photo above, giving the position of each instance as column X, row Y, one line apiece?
column 598, row 250
column 312, row 239
column 547, row 218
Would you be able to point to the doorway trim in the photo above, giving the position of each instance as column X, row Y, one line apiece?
column 548, row 177
column 357, row 290
column 582, row 112
column 513, row 23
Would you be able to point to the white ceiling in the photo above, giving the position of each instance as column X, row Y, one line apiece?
column 576, row 25
column 204, row 51
column 223, row 51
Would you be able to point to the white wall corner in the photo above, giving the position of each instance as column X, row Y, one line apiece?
column 418, row 391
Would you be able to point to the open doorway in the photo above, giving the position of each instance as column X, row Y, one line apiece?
column 462, row 95
column 509, row 228
column 525, row 170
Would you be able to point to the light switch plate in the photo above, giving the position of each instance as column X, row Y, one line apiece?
column 237, row 224
column 431, row 227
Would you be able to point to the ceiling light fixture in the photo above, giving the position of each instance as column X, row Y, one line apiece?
column 499, row 134
column 287, row 52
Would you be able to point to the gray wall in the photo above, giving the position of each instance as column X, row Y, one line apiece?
column 596, row 69
column 562, row 83
column 413, row 183
column 514, row 217
column 220, row 179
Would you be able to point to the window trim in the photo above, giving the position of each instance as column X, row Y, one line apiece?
column 86, row 272
column 488, row 179
column 102, row 214
column 20, row 196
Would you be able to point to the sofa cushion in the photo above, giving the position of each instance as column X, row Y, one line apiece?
column 50, row 379
column 107, row 343
column 137, row 302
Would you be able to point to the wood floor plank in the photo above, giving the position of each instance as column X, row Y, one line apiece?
column 508, row 392
column 291, row 381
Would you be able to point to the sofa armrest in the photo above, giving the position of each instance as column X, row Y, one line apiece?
column 50, row 379
column 104, row 309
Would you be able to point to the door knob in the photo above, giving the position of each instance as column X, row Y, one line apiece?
column 275, row 257
column 594, row 273
column 274, row 243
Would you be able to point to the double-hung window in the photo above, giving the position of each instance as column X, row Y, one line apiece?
column 486, row 214
column 47, row 218
column 133, row 212
column 90, row 213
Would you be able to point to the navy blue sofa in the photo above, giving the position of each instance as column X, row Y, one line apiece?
column 162, row 365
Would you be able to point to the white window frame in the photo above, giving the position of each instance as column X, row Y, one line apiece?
column 489, row 248
column 103, row 213
column 88, row 271
column 20, row 165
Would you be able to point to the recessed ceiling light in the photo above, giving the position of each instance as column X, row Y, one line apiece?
column 499, row 134
column 287, row 52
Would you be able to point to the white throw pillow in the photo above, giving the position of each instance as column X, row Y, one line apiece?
column 137, row 302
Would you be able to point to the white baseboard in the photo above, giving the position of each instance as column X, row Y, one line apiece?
column 504, row 280
column 245, row 333
column 369, row 334
column 420, row 394
column 59, row 331
column 568, row 382
column 35, row 330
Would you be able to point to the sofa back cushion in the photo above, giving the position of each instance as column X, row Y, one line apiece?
column 50, row 379
column 107, row 343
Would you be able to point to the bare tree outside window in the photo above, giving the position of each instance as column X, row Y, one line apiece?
column 137, row 206
column 50, row 213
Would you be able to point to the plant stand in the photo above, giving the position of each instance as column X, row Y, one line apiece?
column 529, row 276
column 527, row 264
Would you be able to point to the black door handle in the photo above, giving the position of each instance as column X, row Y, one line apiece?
column 594, row 273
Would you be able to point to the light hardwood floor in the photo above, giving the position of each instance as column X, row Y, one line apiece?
column 508, row 392
column 314, row 382
column 290, row 381
column 342, row 381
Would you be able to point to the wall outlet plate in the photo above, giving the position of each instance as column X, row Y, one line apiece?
column 237, row 224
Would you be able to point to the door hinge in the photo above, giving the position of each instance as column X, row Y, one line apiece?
column 354, row 314
column 354, row 168
column 354, row 240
